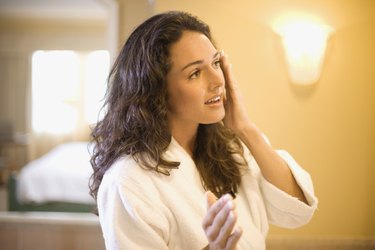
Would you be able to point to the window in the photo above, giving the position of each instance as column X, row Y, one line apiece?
column 67, row 89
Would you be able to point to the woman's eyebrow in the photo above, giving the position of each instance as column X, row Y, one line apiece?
column 198, row 61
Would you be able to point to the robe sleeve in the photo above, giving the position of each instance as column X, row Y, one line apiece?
column 283, row 209
column 131, row 218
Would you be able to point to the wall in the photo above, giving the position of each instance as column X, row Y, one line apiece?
column 329, row 127
column 131, row 13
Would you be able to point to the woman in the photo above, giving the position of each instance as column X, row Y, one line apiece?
column 178, row 164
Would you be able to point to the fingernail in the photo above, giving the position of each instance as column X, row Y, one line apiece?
column 237, row 230
column 227, row 197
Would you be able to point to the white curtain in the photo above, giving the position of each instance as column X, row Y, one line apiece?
column 67, row 92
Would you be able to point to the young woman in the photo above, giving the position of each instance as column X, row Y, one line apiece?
column 178, row 164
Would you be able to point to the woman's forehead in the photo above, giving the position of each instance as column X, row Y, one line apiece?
column 190, row 47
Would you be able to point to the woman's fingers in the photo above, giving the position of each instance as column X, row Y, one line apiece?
column 226, row 229
column 220, row 221
column 234, row 238
column 214, row 209
column 211, row 199
column 220, row 228
column 227, row 70
column 236, row 117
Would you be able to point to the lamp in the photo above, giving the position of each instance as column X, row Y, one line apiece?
column 305, row 46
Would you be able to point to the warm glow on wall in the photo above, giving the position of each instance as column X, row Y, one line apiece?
column 305, row 43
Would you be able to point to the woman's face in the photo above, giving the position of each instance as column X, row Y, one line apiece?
column 195, row 81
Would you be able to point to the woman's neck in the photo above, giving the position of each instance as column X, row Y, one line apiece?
column 185, row 135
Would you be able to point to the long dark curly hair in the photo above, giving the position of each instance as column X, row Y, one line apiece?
column 135, row 121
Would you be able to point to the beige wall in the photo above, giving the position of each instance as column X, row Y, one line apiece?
column 328, row 128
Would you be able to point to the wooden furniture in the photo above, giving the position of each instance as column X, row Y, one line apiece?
column 11, row 158
column 60, row 231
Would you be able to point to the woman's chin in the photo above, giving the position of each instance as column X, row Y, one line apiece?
column 212, row 120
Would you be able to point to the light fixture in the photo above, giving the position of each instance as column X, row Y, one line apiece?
column 305, row 44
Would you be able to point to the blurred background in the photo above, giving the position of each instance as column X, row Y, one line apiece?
column 55, row 56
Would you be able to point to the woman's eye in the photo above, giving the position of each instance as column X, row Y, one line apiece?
column 217, row 64
column 195, row 74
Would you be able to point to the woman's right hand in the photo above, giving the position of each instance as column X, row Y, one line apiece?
column 219, row 223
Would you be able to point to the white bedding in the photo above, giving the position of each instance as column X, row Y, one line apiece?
column 60, row 175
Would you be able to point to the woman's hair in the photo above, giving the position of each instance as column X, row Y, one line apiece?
column 135, row 121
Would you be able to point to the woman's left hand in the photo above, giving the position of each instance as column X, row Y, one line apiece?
column 219, row 223
column 236, row 117
column 273, row 167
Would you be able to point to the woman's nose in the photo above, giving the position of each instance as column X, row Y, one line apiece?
column 216, row 79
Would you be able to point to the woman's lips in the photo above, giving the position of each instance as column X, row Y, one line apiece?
column 213, row 100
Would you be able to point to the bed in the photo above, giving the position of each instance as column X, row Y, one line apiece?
column 55, row 182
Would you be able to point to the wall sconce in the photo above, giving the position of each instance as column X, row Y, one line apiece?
column 305, row 46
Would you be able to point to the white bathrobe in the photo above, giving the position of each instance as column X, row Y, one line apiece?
column 140, row 209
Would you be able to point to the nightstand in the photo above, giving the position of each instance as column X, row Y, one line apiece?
column 11, row 158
